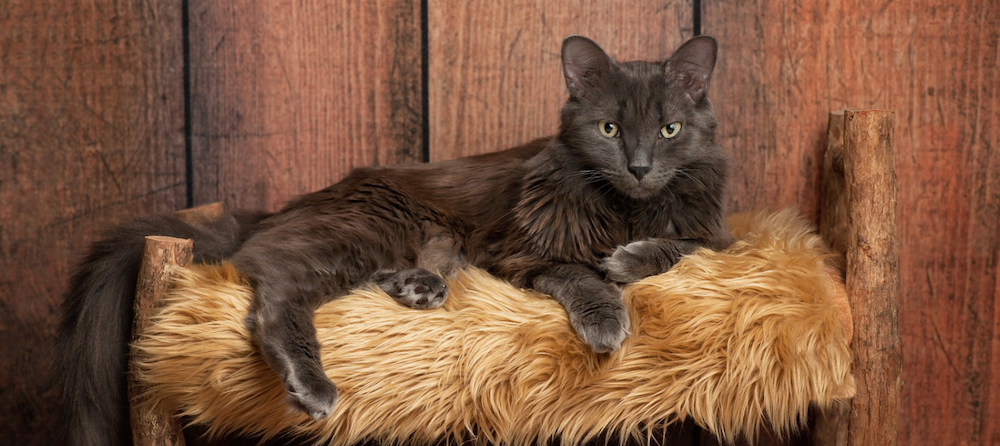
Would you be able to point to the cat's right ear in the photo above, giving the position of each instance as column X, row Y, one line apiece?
column 585, row 65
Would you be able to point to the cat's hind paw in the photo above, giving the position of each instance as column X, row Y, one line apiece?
column 415, row 288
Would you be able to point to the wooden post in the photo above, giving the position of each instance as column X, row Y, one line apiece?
column 858, row 219
column 833, row 198
column 872, row 276
column 830, row 424
column 161, row 256
column 205, row 213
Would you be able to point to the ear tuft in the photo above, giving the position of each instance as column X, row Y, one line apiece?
column 691, row 66
column 585, row 64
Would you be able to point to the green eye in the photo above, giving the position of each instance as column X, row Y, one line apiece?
column 670, row 130
column 608, row 129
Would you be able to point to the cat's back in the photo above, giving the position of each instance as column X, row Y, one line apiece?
column 477, row 188
column 472, row 188
column 465, row 167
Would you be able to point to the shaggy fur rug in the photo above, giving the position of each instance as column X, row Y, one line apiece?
column 732, row 339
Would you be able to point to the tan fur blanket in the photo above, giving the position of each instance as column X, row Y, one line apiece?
column 733, row 340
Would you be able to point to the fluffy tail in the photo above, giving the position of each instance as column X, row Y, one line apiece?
column 92, row 349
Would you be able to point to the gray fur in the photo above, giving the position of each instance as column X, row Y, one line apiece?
column 561, row 215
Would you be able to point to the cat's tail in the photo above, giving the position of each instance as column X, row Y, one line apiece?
column 92, row 348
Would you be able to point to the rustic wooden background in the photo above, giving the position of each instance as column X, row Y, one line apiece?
column 111, row 109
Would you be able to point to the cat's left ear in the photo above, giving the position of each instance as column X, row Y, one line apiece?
column 585, row 65
column 690, row 68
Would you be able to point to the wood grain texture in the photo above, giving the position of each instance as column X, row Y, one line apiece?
column 495, row 73
column 91, row 134
column 784, row 65
column 949, row 199
column 91, row 118
column 829, row 425
column 288, row 97
column 771, row 94
column 833, row 221
column 161, row 256
column 873, row 277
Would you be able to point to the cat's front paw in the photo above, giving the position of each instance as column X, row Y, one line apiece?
column 415, row 288
column 599, row 317
column 602, row 323
column 311, row 394
column 635, row 261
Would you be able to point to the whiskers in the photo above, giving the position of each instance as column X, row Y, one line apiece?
column 590, row 176
column 679, row 180
column 686, row 172
column 595, row 177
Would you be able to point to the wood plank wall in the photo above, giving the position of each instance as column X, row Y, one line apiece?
column 935, row 64
column 91, row 134
column 495, row 74
column 287, row 97
column 102, row 104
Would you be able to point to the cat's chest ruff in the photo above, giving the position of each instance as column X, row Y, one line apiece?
column 564, row 216
column 567, row 226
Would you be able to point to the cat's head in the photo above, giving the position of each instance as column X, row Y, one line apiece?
column 639, row 124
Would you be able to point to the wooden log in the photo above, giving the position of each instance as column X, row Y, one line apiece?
column 161, row 257
column 833, row 193
column 872, row 276
column 829, row 425
column 205, row 213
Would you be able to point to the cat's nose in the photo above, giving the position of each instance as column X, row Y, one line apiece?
column 638, row 171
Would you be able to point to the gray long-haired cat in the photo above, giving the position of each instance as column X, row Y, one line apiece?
column 633, row 180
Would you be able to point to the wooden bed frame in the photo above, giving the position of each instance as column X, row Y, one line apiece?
column 858, row 220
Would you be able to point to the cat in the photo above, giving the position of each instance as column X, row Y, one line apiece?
column 632, row 181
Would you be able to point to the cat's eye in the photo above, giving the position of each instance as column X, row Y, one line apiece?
column 608, row 129
column 670, row 130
